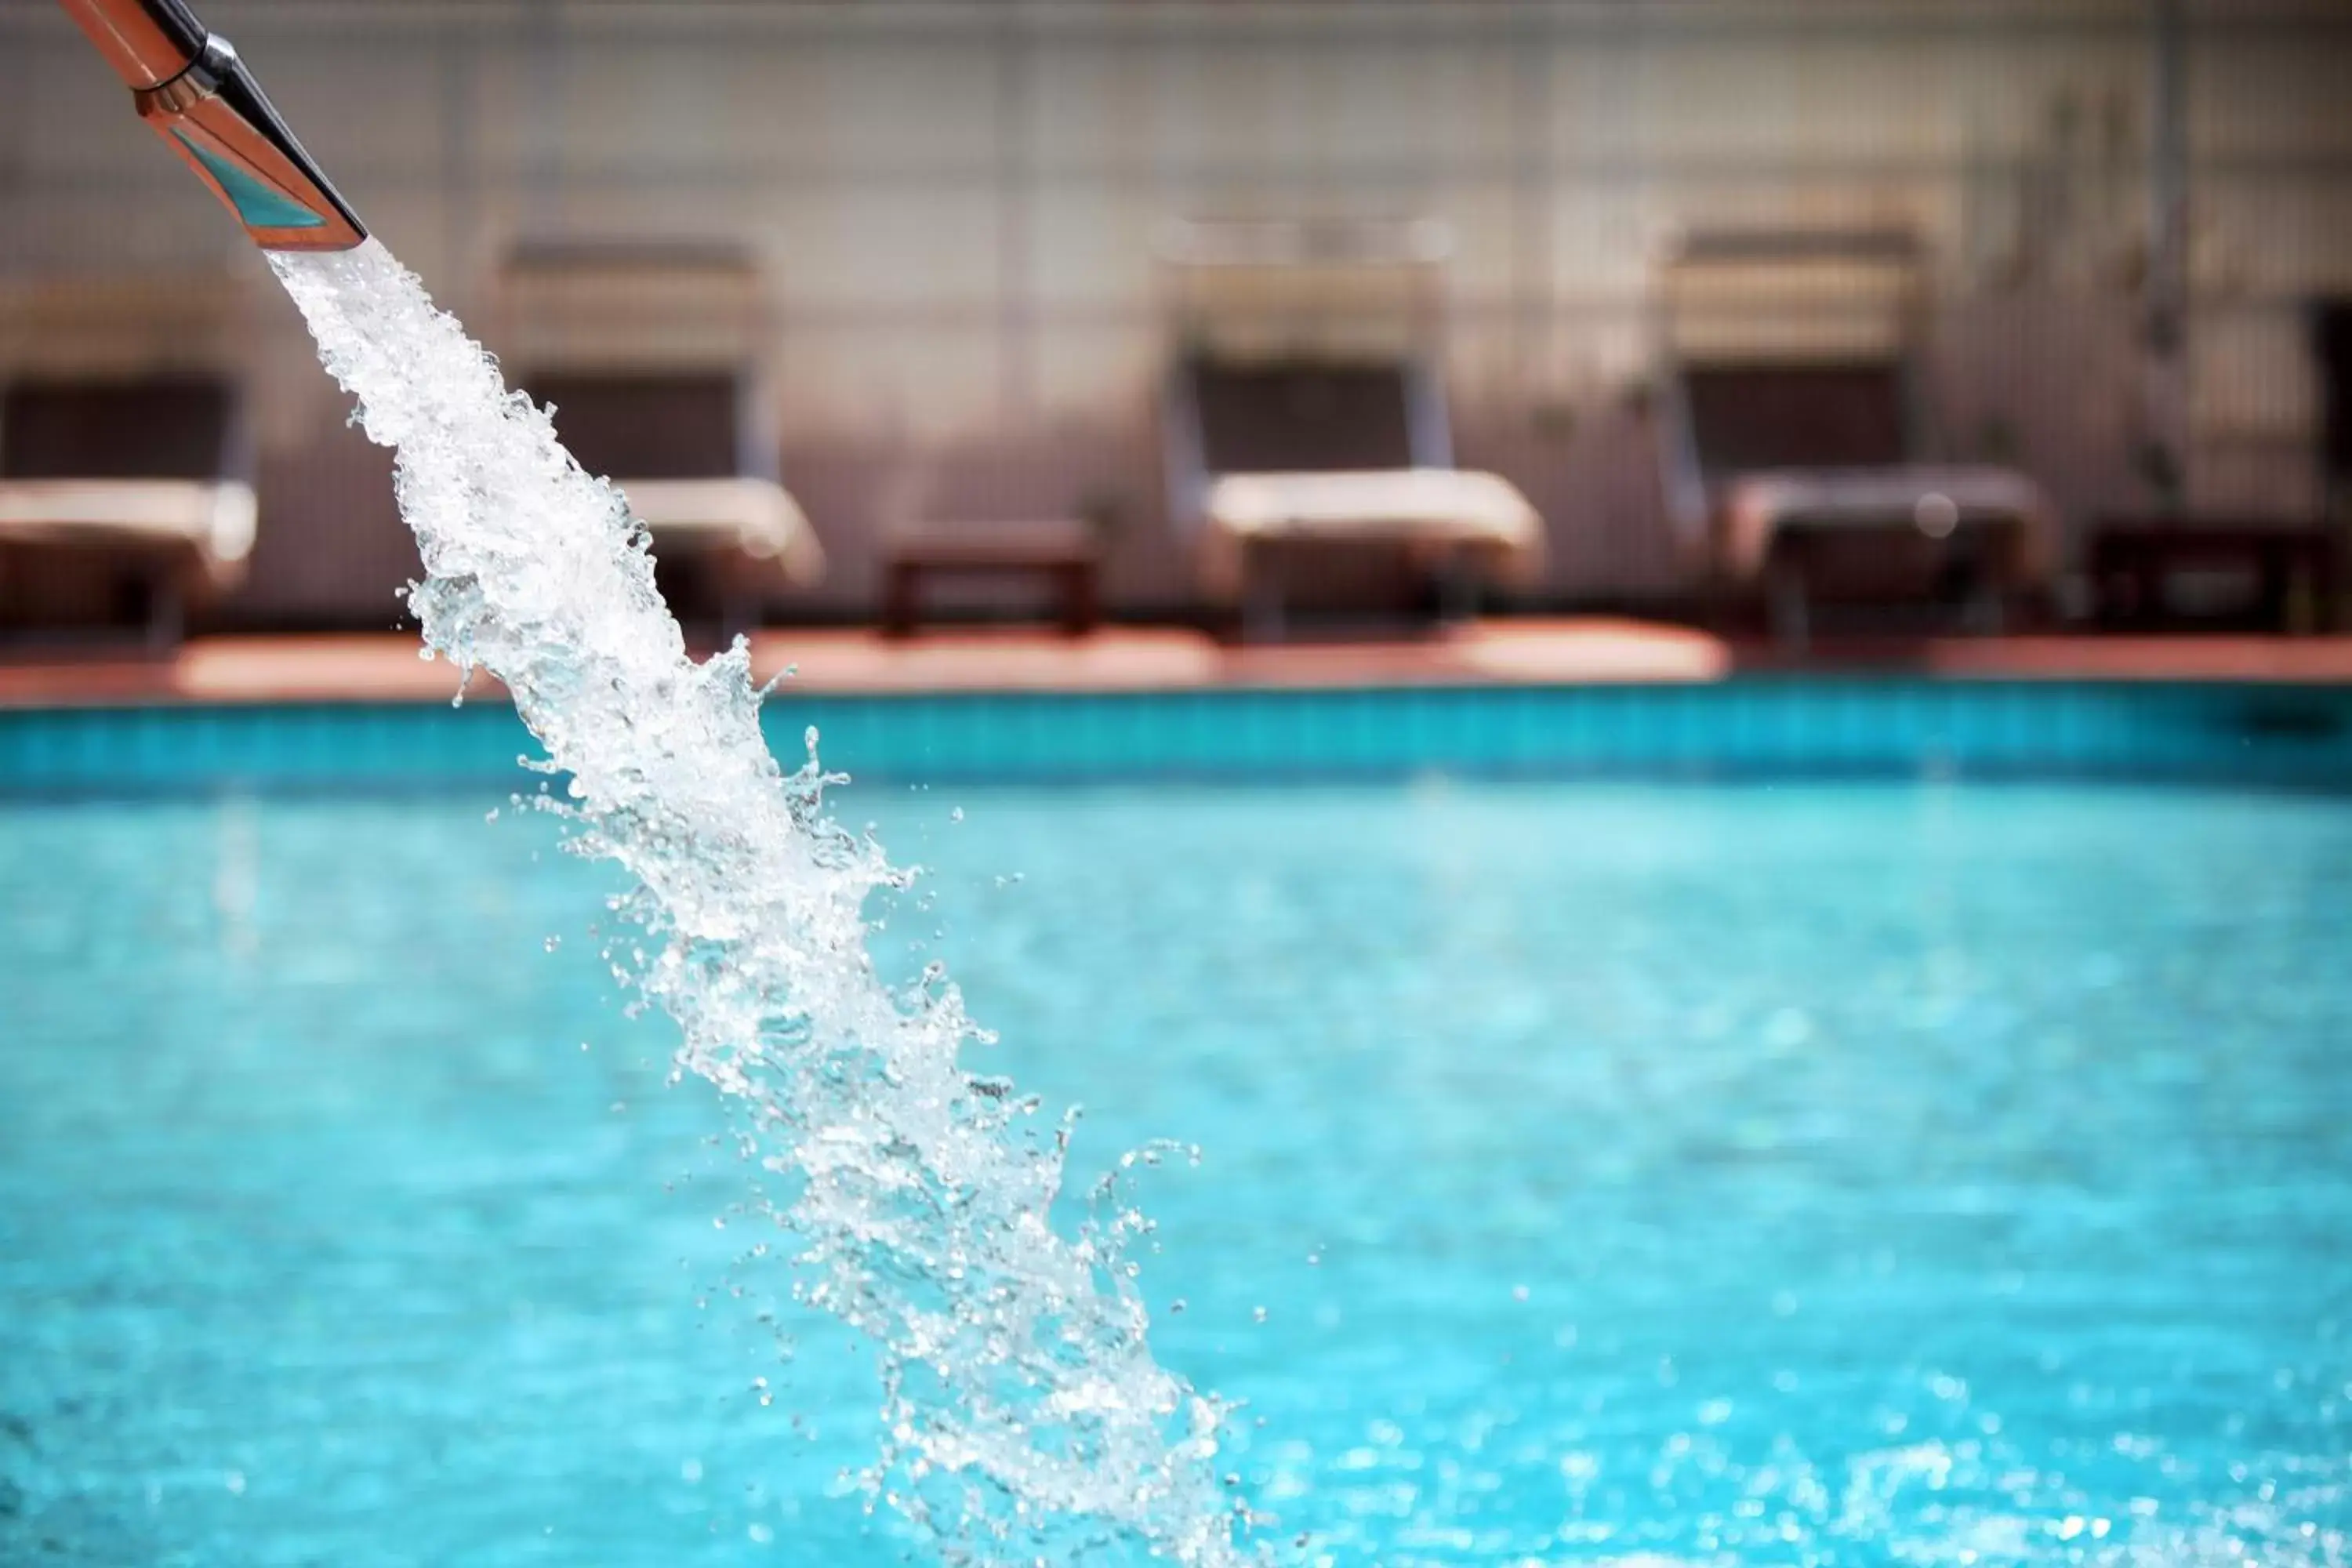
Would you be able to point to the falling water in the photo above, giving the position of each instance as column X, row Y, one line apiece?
column 1024, row 1413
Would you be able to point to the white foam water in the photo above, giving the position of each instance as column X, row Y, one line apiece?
column 1024, row 1415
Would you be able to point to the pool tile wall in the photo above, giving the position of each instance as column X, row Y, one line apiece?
column 1747, row 728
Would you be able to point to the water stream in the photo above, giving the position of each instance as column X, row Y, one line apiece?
column 1025, row 1417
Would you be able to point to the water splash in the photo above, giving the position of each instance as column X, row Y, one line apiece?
column 1024, row 1413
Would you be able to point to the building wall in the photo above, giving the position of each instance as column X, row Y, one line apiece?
column 955, row 207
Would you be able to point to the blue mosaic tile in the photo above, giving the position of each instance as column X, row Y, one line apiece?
column 1754, row 728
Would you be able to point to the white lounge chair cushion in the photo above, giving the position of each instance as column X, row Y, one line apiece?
column 755, row 517
column 1757, row 505
column 1440, row 508
column 213, row 520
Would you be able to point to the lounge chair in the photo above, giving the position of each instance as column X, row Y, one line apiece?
column 126, row 483
column 649, row 353
column 1304, row 416
column 685, row 447
column 1796, row 458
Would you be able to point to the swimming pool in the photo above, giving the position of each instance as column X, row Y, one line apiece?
column 1787, row 1170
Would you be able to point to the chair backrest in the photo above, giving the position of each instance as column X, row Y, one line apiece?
column 634, row 305
column 158, row 427
column 1797, row 414
column 1305, row 290
column 1257, row 418
column 652, row 423
column 1785, row 348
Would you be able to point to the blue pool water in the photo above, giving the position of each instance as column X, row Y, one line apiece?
column 1862, row 1173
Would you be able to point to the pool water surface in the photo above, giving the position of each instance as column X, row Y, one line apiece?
column 1871, row 1174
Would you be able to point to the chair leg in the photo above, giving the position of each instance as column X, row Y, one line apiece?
column 1081, row 599
column 1261, row 619
column 167, row 612
column 1788, row 607
column 1457, row 589
column 739, row 615
column 900, row 611
column 1984, row 605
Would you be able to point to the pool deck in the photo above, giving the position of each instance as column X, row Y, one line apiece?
column 386, row 668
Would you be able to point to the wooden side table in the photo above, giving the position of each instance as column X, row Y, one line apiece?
column 1065, row 552
column 2292, row 564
